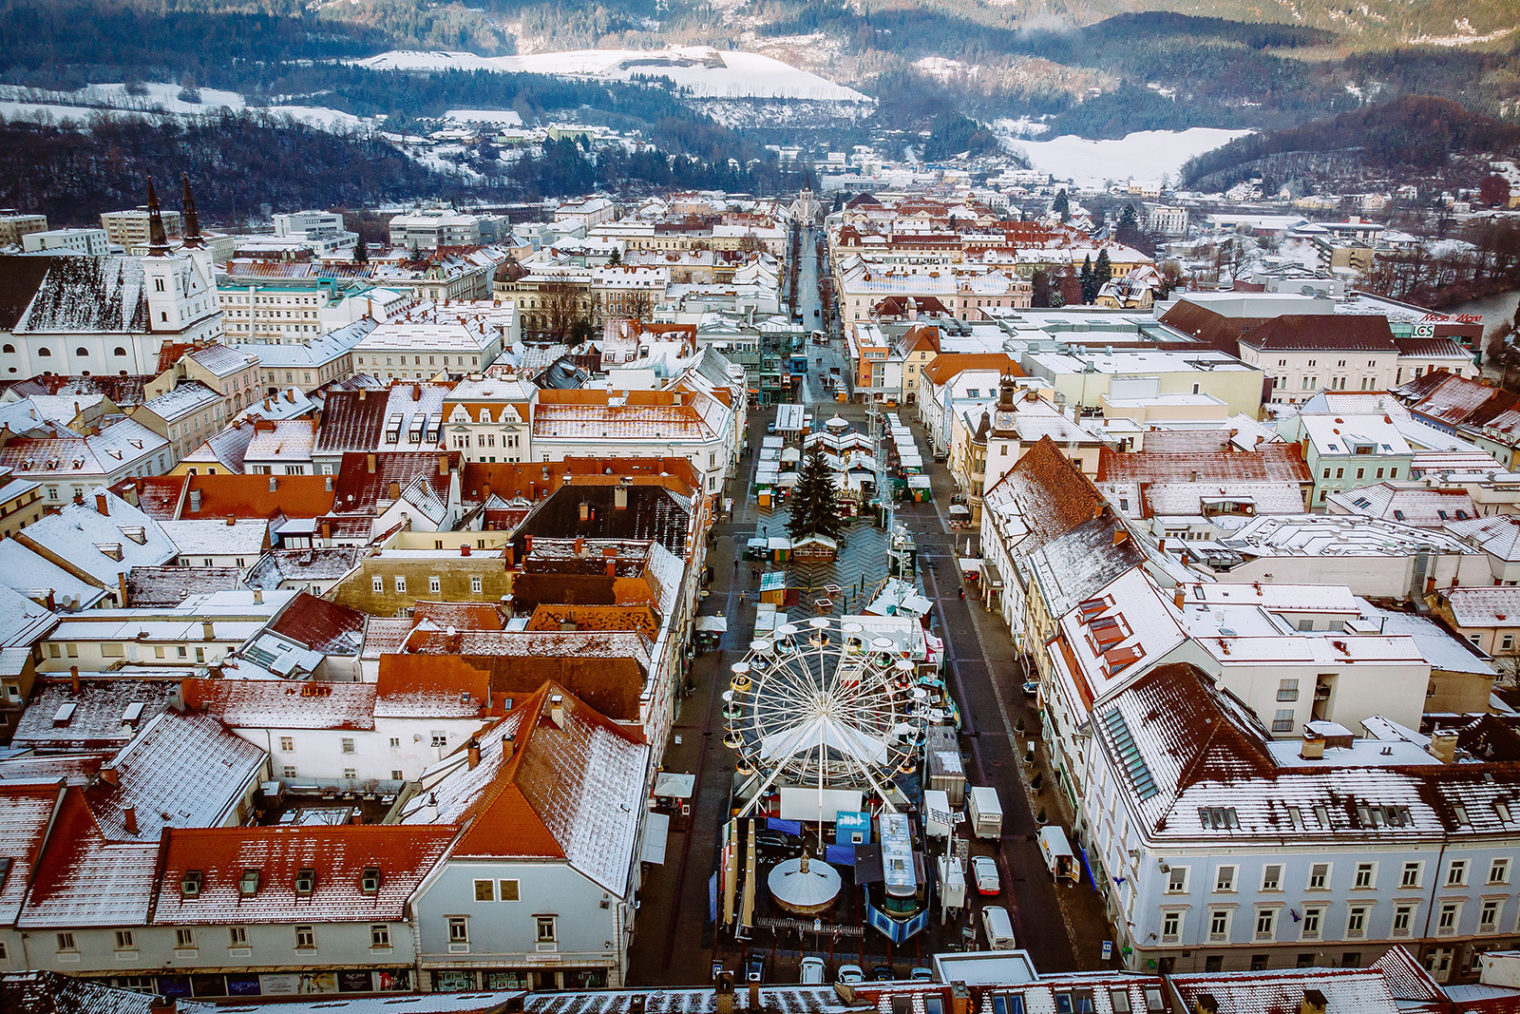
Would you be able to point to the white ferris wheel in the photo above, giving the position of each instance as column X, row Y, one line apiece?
column 825, row 705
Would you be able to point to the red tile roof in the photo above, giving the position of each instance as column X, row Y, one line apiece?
column 358, row 489
column 461, row 615
column 25, row 812
column 443, row 687
column 250, row 496
column 338, row 856
column 1268, row 463
column 948, row 364
column 1342, row 332
column 83, row 880
column 321, row 625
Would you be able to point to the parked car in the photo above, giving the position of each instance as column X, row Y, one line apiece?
column 921, row 973
column 813, row 972
column 1031, row 688
column 985, row 872
column 754, row 968
column 850, row 974
column 770, row 427
column 883, row 973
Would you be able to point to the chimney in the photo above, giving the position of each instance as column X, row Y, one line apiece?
column 101, row 506
column 416, row 392
column 1443, row 746
column 393, row 492
column 231, row 520
column 273, row 484
column 585, row 511
column 580, row 545
column 258, row 596
column 1313, row 1002
column 527, row 544
column 327, row 483
column 109, row 775
column 443, row 464
column 208, row 630
column 464, row 549
column 162, row 1005
column 74, row 678
column 508, row 747
column 754, row 996
column 1205, row 1003
column 1179, row 597
column 129, row 819
column 195, row 500
column 472, row 748
column 1313, row 746
column 620, row 498
column 369, row 463
column 960, row 998
column 557, row 710
column 129, row 494
column 326, row 530
column 1120, row 535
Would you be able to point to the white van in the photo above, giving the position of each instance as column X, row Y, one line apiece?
column 998, row 927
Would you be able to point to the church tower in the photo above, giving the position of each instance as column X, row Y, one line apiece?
column 179, row 285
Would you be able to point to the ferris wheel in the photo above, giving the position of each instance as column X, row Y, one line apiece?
column 824, row 704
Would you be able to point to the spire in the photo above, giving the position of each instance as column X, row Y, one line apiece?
column 192, row 220
column 158, row 241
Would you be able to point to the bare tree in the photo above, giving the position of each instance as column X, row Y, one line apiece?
column 563, row 306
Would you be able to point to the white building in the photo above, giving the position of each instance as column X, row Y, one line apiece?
column 84, row 241
column 431, row 228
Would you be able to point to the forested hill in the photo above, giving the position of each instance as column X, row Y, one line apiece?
column 1413, row 130
column 238, row 162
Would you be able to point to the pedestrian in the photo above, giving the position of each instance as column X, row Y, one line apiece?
column 963, row 593
column 736, row 566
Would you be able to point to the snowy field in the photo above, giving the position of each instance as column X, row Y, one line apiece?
column 1144, row 155
column 708, row 72
column 17, row 102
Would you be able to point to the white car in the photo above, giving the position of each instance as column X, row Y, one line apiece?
column 984, row 870
column 813, row 970
column 851, row 974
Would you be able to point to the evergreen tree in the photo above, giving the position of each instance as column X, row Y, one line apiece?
column 1061, row 205
column 361, row 251
column 615, row 258
column 815, row 500
column 1103, row 272
column 1039, row 284
column 1128, row 230
column 1089, row 290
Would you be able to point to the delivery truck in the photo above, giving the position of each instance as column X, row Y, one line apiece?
column 1059, row 858
column 984, row 812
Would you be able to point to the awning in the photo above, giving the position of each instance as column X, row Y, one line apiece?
column 712, row 624
column 674, row 784
column 957, row 509
column 656, row 831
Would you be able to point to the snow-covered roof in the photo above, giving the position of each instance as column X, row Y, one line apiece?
column 105, row 544
column 243, row 537
column 1475, row 608
column 186, row 399
column 570, row 786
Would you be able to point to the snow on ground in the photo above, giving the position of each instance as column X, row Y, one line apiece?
column 707, row 72
column 501, row 117
column 1146, row 154
column 944, row 69
column 17, row 102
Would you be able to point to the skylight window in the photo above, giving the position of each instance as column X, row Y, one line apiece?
column 1129, row 754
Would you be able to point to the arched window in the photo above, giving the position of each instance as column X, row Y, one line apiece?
column 45, row 353
column 82, row 352
column 9, row 350
column 118, row 351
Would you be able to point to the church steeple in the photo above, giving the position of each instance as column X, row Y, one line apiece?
column 158, row 240
column 192, row 220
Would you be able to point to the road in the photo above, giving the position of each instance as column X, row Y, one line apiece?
column 1061, row 927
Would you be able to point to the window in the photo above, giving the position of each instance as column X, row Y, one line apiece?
column 1282, row 720
column 1410, row 875
column 1456, row 873
column 1171, row 926
column 287, row 744
column 125, row 941
column 306, row 880
column 369, row 881
column 1287, row 690
column 440, row 739
column 1176, row 880
column 351, row 774
column 249, row 882
column 287, row 771
column 184, row 938
column 1271, row 877
column 1446, row 919
column 1356, row 922
column 1219, row 924
column 1313, row 921
column 237, row 936
column 66, row 942
column 401, row 584
column 1488, row 915
column 506, row 890
column 1224, row 880
column 1498, row 871
column 1366, row 874
column 1266, row 923
column 485, row 890
column 306, row 938
column 435, row 585
column 459, row 929
column 377, row 585
column 347, row 744
column 1403, row 918
column 475, row 583
column 379, row 936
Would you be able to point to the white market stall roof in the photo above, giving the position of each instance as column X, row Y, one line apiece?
column 809, row 803
column 799, row 887
column 712, row 624
column 675, row 784
column 788, row 418
column 656, row 832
